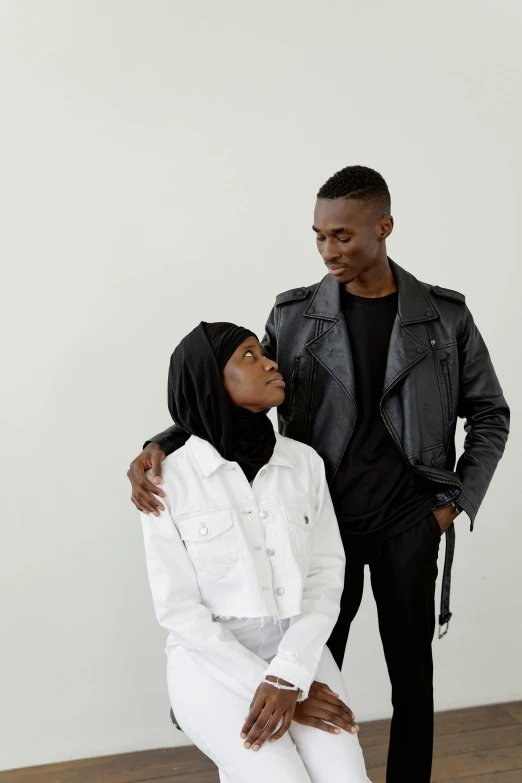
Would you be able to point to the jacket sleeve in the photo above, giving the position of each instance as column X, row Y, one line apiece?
column 482, row 404
column 269, row 341
column 179, row 609
column 302, row 645
column 169, row 440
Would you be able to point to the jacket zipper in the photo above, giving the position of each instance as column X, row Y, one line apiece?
column 309, row 401
column 447, row 380
column 293, row 380
column 309, row 391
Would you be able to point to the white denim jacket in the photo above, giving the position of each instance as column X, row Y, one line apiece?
column 224, row 548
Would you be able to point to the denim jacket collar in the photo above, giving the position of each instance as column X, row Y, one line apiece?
column 207, row 459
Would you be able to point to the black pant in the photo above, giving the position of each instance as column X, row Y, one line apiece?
column 403, row 574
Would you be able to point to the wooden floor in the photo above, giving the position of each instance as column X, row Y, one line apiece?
column 480, row 745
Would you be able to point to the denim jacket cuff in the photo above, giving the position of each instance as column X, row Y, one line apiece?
column 296, row 673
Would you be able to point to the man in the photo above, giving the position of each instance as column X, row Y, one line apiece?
column 379, row 366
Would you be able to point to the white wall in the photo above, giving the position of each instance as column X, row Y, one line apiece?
column 161, row 161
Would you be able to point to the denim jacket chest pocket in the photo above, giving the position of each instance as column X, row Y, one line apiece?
column 211, row 542
column 301, row 522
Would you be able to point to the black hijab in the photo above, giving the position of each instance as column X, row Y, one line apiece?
column 200, row 405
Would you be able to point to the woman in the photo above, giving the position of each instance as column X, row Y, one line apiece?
column 246, row 567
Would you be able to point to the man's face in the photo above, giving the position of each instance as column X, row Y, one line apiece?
column 349, row 235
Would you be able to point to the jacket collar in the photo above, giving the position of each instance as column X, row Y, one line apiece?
column 409, row 342
column 206, row 459
column 415, row 305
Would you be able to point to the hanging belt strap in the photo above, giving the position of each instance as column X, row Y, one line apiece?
column 445, row 614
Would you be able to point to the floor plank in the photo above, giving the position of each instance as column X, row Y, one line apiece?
column 497, row 777
column 450, row 723
column 472, row 719
column 456, row 744
column 515, row 709
column 149, row 765
column 478, row 745
column 466, row 764
column 465, row 767
column 478, row 741
column 203, row 777
column 377, row 774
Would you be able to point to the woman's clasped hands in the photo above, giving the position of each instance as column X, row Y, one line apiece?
column 273, row 709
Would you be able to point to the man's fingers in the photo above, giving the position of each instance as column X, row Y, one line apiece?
column 148, row 500
column 147, row 486
column 287, row 722
column 145, row 495
column 143, row 492
column 144, row 502
column 157, row 458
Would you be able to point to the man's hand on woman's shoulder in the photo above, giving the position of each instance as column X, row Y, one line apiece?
column 144, row 492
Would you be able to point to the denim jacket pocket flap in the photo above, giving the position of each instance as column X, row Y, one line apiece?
column 300, row 514
column 205, row 527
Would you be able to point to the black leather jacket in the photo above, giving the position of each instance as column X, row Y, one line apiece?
column 438, row 369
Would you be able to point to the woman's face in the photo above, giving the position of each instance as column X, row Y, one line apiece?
column 251, row 380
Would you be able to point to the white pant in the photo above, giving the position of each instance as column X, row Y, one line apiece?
column 212, row 716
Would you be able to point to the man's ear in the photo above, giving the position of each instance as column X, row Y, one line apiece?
column 384, row 228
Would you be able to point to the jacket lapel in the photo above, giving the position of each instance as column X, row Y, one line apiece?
column 332, row 346
column 409, row 341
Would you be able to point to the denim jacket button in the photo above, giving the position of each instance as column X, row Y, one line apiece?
column 280, row 590
column 270, row 552
column 203, row 531
column 263, row 514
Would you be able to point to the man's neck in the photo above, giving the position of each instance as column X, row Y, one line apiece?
column 374, row 284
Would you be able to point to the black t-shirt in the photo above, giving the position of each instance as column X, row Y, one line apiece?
column 376, row 493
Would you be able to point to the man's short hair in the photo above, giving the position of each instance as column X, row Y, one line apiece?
column 361, row 183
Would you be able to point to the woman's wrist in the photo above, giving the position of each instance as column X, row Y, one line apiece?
column 282, row 685
column 270, row 678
